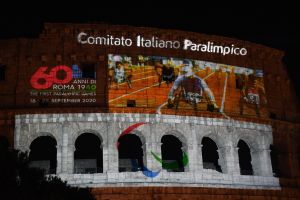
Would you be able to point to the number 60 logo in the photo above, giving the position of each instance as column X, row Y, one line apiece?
column 42, row 80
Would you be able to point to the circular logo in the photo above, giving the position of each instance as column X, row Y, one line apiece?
column 147, row 172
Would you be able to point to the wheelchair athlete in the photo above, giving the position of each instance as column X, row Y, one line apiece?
column 191, row 87
column 120, row 75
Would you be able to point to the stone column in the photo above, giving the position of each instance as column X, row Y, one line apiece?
column 17, row 134
column 195, row 158
column 105, row 158
column 194, row 151
column 261, row 162
column 152, row 164
column 222, row 159
column 266, row 162
column 70, row 158
column 232, row 160
column 199, row 158
column 67, row 155
column 64, row 153
column 58, row 159
column 110, row 158
column 24, row 148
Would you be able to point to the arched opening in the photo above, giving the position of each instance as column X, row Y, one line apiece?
column 4, row 144
column 130, row 153
column 244, row 158
column 43, row 154
column 210, row 154
column 172, row 155
column 274, row 160
column 88, row 154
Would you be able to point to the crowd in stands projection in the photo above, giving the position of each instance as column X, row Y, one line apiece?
column 170, row 85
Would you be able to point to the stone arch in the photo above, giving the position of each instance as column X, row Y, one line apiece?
column 256, row 149
column 40, row 134
column 80, row 132
column 134, row 159
column 88, row 153
column 75, row 129
column 171, row 129
column 141, row 136
column 178, row 135
column 245, row 158
column 43, row 133
column 221, row 145
column 184, row 148
column 210, row 154
column 220, row 142
column 43, row 153
column 250, row 139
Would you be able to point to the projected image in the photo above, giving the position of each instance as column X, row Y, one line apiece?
column 64, row 84
column 167, row 85
column 130, row 160
column 119, row 71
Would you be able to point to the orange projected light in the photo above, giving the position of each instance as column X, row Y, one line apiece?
column 166, row 85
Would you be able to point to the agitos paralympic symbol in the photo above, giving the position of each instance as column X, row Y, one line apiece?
column 165, row 165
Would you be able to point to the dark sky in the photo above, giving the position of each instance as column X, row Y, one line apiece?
column 274, row 25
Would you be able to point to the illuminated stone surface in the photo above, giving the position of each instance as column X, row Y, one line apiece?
column 189, row 130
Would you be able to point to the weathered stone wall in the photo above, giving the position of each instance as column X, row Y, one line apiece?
column 226, row 133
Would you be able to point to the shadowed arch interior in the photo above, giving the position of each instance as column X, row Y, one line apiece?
column 130, row 153
column 43, row 154
column 88, row 157
column 274, row 153
column 171, row 150
column 4, row 144
column 244, row 158
column 210, row 154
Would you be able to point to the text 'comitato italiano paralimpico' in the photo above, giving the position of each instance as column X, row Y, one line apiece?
column 156, row 42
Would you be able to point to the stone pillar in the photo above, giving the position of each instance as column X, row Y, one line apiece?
column 151, row 163
column 266, row 162
column 110, row 158
column 195, row 158
column 199, row 158
column 17, row 134
column 64, row 153
column 110, row 151
column 232, row 160
column 70, row 158
column 255, row 161
column 261, row 162
column 194, row 151
column 105, row 157
column 222, row 159
column 58, row 159
column 67, row 155
column 24, row 148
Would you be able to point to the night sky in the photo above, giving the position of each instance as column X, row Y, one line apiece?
column 271, row 25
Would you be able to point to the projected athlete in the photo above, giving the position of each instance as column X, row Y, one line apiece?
column 111, row 71
column 165, row 72
column 168, row 73
column 120, row 76
column 191, row 87
column 128, row 73
column 253, row 91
